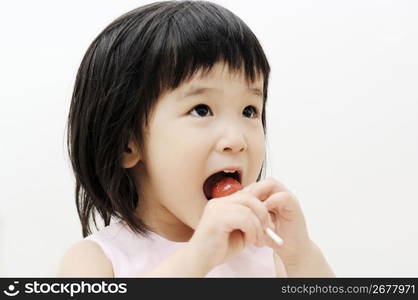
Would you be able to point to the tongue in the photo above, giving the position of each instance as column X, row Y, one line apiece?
column 224, row 187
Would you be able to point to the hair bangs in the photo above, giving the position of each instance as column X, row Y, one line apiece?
column 180, row 50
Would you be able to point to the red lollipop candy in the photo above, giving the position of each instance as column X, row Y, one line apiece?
column 224, row 187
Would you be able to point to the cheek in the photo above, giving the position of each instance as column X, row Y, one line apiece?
column 175, row 155
column 183, row 152
column 258, row 141
column 258, row 152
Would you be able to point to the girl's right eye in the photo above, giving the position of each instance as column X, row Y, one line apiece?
column 201, row 110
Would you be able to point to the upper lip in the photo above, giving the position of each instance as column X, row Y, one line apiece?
column 229, row 168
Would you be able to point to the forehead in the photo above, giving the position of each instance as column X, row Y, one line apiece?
column 220, row 79
column 194, row 90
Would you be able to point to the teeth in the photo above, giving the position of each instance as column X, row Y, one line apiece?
column 229, row 171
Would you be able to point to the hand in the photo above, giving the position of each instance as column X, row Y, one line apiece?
column 300, row 256
column 287, row 218
column 227, row 225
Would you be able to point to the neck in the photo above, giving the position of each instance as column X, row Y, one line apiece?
column 165, row 224
column 158, row 218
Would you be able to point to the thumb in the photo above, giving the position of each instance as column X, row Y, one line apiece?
column 249, row 187
column 284, row 205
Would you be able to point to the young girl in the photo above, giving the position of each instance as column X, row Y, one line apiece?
column 166, row 96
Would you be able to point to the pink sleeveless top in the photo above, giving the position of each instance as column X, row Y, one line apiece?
column 133, row 255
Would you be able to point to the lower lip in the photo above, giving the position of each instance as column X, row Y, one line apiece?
column 204, row 196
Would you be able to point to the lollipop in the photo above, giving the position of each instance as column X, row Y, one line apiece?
column 224, row 187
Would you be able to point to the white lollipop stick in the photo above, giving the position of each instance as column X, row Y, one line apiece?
column 274, row 236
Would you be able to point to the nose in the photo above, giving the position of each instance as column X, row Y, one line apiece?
column 232, row 140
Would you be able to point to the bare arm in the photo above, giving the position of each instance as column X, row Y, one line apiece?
column 184, row 262
column 85, row 259
column 311, row 264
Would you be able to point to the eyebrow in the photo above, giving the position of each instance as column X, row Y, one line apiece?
column 202, row 90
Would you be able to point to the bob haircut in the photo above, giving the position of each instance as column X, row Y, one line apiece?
column 131, row 63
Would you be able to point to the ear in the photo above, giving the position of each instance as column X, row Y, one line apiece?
column 131, row 155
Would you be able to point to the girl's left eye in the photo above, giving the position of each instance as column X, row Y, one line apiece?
column 254, row 109
column 201, row 110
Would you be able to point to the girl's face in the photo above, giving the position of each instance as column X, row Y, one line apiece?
column 205, row 125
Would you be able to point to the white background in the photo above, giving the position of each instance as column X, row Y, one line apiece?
column 342, row 125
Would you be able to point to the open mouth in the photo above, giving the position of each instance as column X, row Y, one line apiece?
column 210, row 182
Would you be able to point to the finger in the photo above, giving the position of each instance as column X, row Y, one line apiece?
column 258, row 208
column 263, row 189
column 248, row 187
column 284, row 204
column 251, row 220
column 242, row 218
column 259, row 231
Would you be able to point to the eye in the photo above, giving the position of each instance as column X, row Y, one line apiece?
column 254, row 109
column 201, row 109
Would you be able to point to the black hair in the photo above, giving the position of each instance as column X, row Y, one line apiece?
column 142, row 54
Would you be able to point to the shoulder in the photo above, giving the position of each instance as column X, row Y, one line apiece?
column 85, row 259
